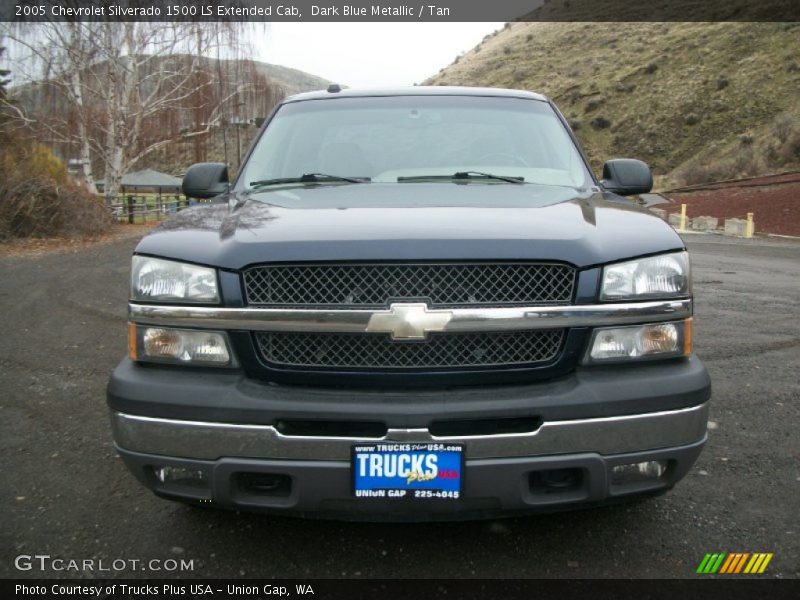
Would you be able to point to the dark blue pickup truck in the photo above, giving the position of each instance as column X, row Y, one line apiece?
column 411, row 304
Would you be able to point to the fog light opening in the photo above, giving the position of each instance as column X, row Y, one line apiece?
column 180, row 476
column 640, row 472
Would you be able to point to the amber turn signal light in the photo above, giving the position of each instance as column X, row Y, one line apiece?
column 132, row 340
column 687, row 337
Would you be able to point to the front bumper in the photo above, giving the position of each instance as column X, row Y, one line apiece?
column 225, row 427
column 492, row 486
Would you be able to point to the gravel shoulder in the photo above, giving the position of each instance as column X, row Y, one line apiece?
column 66, row 494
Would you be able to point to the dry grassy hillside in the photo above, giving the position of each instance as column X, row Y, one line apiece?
column 697, row 101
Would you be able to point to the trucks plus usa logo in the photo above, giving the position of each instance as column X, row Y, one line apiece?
column 735, row 562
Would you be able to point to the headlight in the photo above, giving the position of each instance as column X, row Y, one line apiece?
column 640, row 342
column 159, row 280
column 179, row 346
column 654, row 277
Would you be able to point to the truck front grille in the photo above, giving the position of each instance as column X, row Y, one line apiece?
column 441, row 351
column 440, row 285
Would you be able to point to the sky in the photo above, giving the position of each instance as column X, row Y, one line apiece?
column 359, row 54
column 370, row 54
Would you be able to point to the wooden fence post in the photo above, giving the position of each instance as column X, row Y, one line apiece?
column 130, row 210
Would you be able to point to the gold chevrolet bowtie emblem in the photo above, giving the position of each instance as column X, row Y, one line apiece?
column 409, row 321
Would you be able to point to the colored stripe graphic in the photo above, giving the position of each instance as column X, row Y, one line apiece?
column 711, row 563
column 716, row 565
column 761, row 562
column 703, row 564
column 754, row 561
column 767, row 558
column 726, row 566
column 741, row 562
column 734, row 562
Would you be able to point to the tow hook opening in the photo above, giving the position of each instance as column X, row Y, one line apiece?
column 264, row 484
column 556, row 481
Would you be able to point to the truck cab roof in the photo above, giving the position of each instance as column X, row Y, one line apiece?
column 417, row 90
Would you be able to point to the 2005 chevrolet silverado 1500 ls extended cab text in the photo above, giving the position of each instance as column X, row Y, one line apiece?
column 411, row 304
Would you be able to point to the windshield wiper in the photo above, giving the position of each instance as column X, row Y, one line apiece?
column 308, row 178
column 464, row 176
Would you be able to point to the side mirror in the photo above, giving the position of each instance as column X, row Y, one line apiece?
column 205, row 180
column 627, row 176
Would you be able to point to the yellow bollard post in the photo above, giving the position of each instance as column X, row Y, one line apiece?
column 683, row 217
column 748, row 233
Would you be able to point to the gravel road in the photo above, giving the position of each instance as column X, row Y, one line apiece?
column 64, row 493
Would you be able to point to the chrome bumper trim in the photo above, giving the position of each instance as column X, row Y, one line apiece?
column 457, row 319
column 607, row 435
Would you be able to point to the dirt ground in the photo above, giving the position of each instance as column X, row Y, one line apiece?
column 64, row 492
column 27, row 247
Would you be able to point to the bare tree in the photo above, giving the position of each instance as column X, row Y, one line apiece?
column 3, row 74
column 118, row 92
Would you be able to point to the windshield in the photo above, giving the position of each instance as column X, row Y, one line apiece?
column 405, row 139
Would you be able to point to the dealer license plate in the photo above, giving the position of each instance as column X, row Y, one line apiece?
column 408, row 470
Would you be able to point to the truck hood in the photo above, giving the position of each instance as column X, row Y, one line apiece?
column 412, row 221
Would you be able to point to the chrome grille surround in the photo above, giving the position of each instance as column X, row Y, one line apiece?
column 374, row 285
column 361, row 323
column 343, row 351
column 462, row 319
